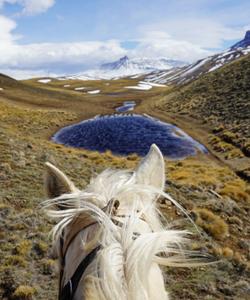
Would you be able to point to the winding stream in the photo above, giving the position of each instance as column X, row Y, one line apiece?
column 127, row 106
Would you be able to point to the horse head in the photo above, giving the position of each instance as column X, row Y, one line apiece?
column 110, row 238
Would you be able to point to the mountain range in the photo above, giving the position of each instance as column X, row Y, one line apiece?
column 125, row 67
column 193, row 71
column 163, row 70
column 142, row 64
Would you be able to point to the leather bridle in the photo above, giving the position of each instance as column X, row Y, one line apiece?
column 67, row 291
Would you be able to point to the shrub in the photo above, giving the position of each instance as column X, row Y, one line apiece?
column 235, row 189
column 41, row 248
column 15, row 260
column 23, row 248
column 227, row 252
column 235, row 153
column 133, row 157
column 47, row 266
column 24, row 292
column 211, row 223
column 218, row 128
column 223, row 147
column 228, row 136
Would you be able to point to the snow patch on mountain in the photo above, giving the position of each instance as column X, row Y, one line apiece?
column 94, row 92
column 45, row 80
column 143, row 85
column 80, row 88
column 140, row 86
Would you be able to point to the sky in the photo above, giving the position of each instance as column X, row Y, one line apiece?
column 55, row 37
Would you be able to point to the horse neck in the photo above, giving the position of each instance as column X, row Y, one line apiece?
column 145, row 221
column 85, row 241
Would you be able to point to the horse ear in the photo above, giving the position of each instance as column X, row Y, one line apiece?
column 57, row 183
column 151, row 170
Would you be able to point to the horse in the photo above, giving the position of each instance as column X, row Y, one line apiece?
column 111, row 239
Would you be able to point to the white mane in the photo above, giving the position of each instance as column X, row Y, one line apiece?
column 121, row 270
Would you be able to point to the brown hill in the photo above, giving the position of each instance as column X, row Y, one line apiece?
column 221, row 101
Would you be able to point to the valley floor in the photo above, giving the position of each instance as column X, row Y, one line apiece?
column 31, row 112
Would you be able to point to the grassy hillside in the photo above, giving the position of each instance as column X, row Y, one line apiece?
column 7, row 81
column 218, row 199
column 221, row 101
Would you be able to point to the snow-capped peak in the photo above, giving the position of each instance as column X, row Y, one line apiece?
column 121, row 63
column 243, row 43
column 126, row 67
column 142, row 63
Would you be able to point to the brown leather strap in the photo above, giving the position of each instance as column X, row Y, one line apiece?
column 76, row 226
column 70, row 287
column 83, row 221
column 79, row 223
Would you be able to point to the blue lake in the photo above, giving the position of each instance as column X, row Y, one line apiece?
column 126, row 134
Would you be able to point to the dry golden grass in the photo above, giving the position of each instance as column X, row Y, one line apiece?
column 211, row 223
column 24, row 292
column 105, row 86
column 227, row 252
column 194, row 172
column 236, row 189
column 223, row 145
column 23, row 248
column 133, row 157
column 41, row 248
column 48, row 266
column 15, row 260
column 222, row 252
column 229, row 136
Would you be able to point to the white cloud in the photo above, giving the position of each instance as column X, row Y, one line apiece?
column 6, row 27
column 74, row 57
column 207, row 33
column 31, row 7
column 161, row 44
column 60, row 55
column 56, row 57
column 51, row 57
column 20, row 60
column 184, row 39
column 65, row 58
